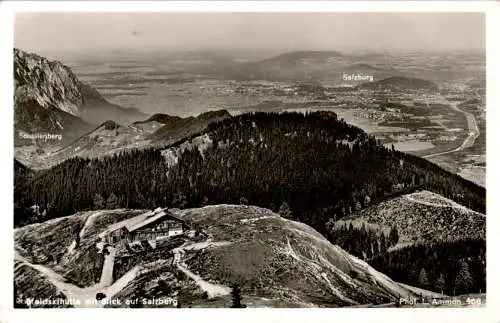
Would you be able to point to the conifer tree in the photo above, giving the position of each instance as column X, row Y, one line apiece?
column 236, row 297
column 141, row 200
column 98, row 202
column 330, row 224
column 376, row 246
column 463, row 279
column 363, row 231
column 112, row 202
column 369, row 252
column 440, row 284
column 19, row 299
column 383, row 243
column 413, row 272
column 393, row 236
column 423, row 280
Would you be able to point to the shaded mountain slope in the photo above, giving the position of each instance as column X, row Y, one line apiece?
column 96, row 109
column 30, row 117
column 320, row 166
column 175, row 129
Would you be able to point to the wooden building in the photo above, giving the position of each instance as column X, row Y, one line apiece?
column 155, row 225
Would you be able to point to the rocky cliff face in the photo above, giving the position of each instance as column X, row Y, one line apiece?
column 50, row 84
column 49, row 97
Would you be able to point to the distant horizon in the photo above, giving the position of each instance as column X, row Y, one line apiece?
column 65, row 55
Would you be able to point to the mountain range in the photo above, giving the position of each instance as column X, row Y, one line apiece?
column 326, row 66
column 50, row 99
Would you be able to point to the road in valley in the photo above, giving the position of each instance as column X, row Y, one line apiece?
column 472, row 136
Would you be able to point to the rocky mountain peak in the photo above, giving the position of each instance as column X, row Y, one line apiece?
column 50, row 83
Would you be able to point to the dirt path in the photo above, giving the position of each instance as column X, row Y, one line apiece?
column 105, row 285
column 74, row 245
column 107, row 268
column 471, row 138
column 90, row 220
column 211, row 289
column 85, row 297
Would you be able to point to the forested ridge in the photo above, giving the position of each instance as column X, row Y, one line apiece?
column 321, row 167
column 312, row 168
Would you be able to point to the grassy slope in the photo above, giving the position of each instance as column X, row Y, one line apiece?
column 33, row 285
column 275, row 258
column 37, row 241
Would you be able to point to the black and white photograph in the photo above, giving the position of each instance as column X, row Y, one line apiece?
column 249, row 160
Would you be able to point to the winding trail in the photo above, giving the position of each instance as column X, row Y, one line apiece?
column 74, row 245
column 354, row 263
column 84, row 297
column 212, row 290
column 471, row 138
column 90, row 220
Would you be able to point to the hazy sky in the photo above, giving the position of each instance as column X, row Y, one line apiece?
column 234, row 31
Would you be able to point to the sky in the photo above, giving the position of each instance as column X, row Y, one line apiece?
column 244, row 31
